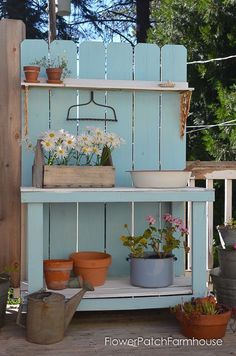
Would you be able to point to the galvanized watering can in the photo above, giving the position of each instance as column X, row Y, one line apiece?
column 49, row 314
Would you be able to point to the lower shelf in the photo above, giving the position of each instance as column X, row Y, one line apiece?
column 118, row 294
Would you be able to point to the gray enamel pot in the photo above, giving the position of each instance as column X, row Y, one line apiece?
column 227, row 236
column 151, row 272
column 227, row 260
column 225, row 288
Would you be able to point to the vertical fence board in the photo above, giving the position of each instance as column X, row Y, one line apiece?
column 119, row 66
column 12, row 32
column 38, row 119
column 91, row 65
column 38, row 110
column 146, row 125
column 63, row 224
column 172, row 146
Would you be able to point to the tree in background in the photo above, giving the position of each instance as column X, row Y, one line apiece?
column 90, row 19
column 32, row 13
column 208, row 30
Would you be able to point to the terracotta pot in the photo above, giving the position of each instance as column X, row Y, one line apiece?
column 91, row 266
column 54, row 75
column 204, row 326
column 31, row 74
column 57, row 273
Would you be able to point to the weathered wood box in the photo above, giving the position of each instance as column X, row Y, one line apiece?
column 46, row 176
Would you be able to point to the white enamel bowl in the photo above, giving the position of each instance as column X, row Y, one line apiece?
column 160, row 179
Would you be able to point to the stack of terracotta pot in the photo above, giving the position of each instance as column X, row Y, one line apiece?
column 89, row 266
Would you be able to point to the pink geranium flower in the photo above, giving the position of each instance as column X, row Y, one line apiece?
column 151, row 220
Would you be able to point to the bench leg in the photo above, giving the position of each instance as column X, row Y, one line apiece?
column 35, row 246
column 199, row 248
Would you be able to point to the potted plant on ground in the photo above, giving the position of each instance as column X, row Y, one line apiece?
column 154, row 268
column 227, row 232
column 65, row 160
column 202, row 318
column 55, row 68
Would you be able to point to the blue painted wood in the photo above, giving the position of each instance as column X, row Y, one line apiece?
column 199, row 267
column 91, row 66
column 38, row 118
column 35, row 246
column 179, row 211
column 116, row 195
column 116, row 216
column 146, row 124
column 97, row 230
column 91, row 227
column 172, row 146
column 119, row 66
column 91, row 221
column 134, row 303
column 63, row 217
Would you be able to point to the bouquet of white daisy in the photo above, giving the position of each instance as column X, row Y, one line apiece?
column 91, row 148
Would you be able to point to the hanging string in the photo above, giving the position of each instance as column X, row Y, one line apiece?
column 205, row 127
column 185, row 99
column 26, row 123
column 212, row 60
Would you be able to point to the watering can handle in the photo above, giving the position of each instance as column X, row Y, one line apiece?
column 19, row 317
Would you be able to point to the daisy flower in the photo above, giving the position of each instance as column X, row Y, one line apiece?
column 48, row 145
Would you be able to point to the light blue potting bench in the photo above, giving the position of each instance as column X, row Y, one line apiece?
column 61, row 221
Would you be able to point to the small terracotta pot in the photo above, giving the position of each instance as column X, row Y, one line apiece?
column 54, row 75
column 91, row 266
column 31, row 74
column 204, row 326
column 57, row 273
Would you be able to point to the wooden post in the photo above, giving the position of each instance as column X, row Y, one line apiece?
column 12, row 32
column 52, row 20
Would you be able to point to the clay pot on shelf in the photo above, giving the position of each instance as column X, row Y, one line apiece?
column 57, row 273
column 31, row 74
column 92, row 266
column 54, row 75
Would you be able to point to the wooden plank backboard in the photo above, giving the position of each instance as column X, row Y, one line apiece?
column 148, row 121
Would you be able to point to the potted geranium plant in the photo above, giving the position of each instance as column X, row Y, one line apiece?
column 66, row 160
column 227, row 232
column 154, row 268
column 202, row 318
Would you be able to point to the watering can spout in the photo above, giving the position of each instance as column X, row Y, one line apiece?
column 71, row 305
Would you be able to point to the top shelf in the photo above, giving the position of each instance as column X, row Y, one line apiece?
column 103, row 84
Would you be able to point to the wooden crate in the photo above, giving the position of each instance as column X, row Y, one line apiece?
column 45, row 176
